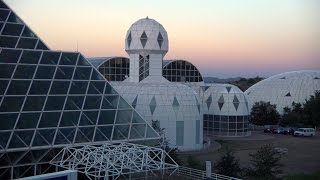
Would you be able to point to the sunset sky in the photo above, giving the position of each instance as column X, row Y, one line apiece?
column 223, row 38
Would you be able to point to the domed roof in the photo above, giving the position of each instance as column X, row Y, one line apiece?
column 146, row 35
column 285, row 88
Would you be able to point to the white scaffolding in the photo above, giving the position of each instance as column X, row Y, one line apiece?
column 112, row 160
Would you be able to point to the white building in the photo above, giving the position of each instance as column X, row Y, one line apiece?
column 284, row 89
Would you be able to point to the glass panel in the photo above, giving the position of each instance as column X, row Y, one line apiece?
column 30, row 57
column 39, row 87
column 11, row 104
column 14, row 18
column 50, row 58
column 6, row 70
column 74, row 102
column 18, row 87
column 78, row 87
column 45, row 72
column 4, row 139
column 68, row 58
column 34, row 103
column 41, row 45
column 151, row 133
column 49, row 119
column 21, row 138
column 110, row 102
column 89, row 118
column 123, row 104
column 123, row 116
column 179, row 133
column 55, row 102
column 24, row 72
column 3, row 86
column 27, row 43
column 3, row 14
column 82, row 61
column 12, row 29
column 9, row 55
column 28, row 120
column 84, row 134
column 103, row 133
column 137, row 131
column 107, row 117
column 239, row 125
column 8, row 42
column 44, row 137
column 27, row 32
column 70, row 118
column 120, row 132
column 96, row 87
column 109, row 89
column 92, row 102
column 232, row 119
column 82, row 73
column 64, row 72
column 59, row 87
column 96, row 76
column 65, row 136
column 7, row 121
column 136, row 118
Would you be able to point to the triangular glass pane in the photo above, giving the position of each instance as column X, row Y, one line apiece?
column 70, row 118
column 82, row 73
column 110, row 102
column 96, row 87
column 82, row 61
column 13, row 157
column 134, row 103
column 47, row 134
column 39, row 140
column 137, row 131
column 209, row 101
column 16, row 142
column 2, row 5
column 129, row 39
column 96, row 76
column 4, row 139
column 10, row 120
column 25, row 136
column 123, row 104
column 109, row 89
column 84, row 134
column 107, row 117
column 143, row 39
column 68, row 58
column 136, row 118
column 61, row 139
column 160, row 39
column 120, row 132
column 153, row 105
column 123, row 116
column 288, row 94
column 14, row 18
column 235, row 99
column 236, row 105
column 89, row 118
column 103, row 133
column 228, row 88
column 151, row 133
column 68, row 133
column 41, row 45
column 74, row 103
column 28, row 120
column 49, row 119
column 220, row 101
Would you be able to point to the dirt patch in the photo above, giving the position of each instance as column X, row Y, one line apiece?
column 303, row 152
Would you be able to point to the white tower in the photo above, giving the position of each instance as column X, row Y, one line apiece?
column 146, row 43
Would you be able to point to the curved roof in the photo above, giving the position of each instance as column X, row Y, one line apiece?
column 98, row 61
column 285, row 88
column 166, row 64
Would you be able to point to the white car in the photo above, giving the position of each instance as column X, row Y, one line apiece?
column 305, row 132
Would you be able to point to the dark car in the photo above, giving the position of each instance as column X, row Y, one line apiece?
column 269, row 128
column 290, row 130
column 279, row 130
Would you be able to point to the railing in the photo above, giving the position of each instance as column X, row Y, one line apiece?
column 189, row 173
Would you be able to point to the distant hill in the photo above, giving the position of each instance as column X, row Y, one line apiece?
column 240, row 82
column 219, row 80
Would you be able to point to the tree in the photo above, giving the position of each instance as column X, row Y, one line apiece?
column 263, row 113
column 311, row 110
column 194, row 163
column 265, row 164
column 163, row 143
column 228, row 165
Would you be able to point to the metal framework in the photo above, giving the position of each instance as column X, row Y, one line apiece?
column 112, row 160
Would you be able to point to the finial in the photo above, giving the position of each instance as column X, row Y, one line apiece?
column 147, row 17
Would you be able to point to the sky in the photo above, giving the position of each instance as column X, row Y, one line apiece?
column 223, row 38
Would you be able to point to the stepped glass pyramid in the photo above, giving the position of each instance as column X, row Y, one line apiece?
column 52, row 99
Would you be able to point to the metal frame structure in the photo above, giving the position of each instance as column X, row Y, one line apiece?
column 112, row 160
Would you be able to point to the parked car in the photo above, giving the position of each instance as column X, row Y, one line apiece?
column 279, row 130
column 289, row 130
column 305, row 132
column 269, row 128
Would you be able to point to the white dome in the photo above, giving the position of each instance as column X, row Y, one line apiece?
column 146, row 35
column 171, row 104
column 285, row 88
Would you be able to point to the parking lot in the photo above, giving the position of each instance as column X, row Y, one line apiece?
column 303, row 153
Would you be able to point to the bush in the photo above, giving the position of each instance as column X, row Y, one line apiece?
column 228, row 165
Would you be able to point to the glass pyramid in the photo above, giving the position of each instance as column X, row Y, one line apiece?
column 51, row 99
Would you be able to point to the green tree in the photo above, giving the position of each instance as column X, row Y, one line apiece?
column 263, row 113
column 194, row 163
column 228, row 165
column 311, row 110
column 265, row 164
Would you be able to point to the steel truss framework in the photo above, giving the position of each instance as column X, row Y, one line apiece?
column 112, row 160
